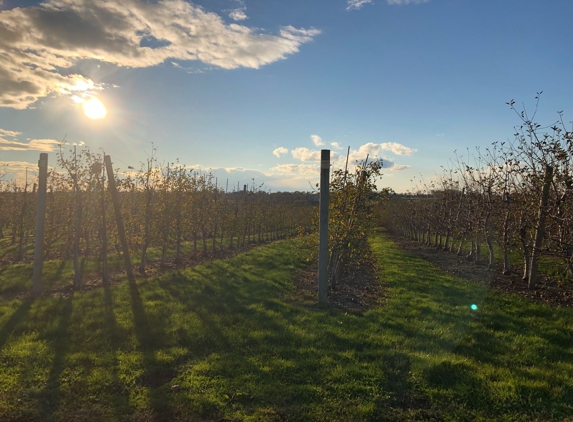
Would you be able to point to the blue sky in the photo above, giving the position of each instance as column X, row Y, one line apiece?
column 223, row 84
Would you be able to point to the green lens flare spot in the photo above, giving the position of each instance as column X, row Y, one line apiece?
column 474, row 307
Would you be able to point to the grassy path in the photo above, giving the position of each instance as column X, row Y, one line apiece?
column 16, row 279
column 228, row 335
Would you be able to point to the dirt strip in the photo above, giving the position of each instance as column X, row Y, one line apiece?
column 547, row 290
column 358, row 290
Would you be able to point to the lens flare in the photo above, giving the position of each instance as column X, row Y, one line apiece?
column 94, row 109
column 474, row 307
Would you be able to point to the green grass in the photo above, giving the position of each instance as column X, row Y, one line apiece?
column 230, row 334
column 17, row 278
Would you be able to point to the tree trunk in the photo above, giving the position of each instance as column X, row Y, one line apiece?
column 506, row 264
column 471, row 256
column 540, row 230
column 461, row 247
column 204, row 237
column 489, row 241
column 446, row 243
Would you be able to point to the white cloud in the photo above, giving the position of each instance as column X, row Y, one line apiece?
column 317, row 140
column 401, row 2
column 373, row 152
column 305, row 154
column 370, row 150
column 45, row 145
column 399, row 167
column 335, row 145
column 40, row 45
column 357, row 4
column 280, row 178
column 356, row 156
column 238, row 15
column 305, row 169
column 397, row 148
column 9, row 133
column 279, row 151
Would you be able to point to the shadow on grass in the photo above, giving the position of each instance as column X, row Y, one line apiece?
column 14, row 319
column 238, row 351
column 120, row 400
column 51, row 396
column 151, row 339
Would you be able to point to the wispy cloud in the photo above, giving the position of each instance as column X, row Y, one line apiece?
column 357, row 4
column 397, row 148
column 399, row 167
column 335, row 145
column 40, row 45
column 9, row 133
column 401, row 2
column 9, row 142
column 317, row 140
column 238, row 15
column 44, row 145
column 279, row 151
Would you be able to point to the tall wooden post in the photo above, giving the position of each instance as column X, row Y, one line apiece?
column 118, row 219
column 77, row 226
column 104, row 275
column 323, row 227
column 40, row 225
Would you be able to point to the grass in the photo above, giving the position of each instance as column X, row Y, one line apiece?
column 230, row 335
column 17, row 278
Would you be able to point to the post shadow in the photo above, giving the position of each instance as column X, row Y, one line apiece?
column 14, row 319
column 120, row 402
column 149, row 341
column 51, row 396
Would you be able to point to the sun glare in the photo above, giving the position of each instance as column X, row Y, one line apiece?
column 94, row 109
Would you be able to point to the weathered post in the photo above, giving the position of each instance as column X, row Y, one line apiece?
column 323, row 227
column 105, row 275
column 118, row 219
column 40, row 225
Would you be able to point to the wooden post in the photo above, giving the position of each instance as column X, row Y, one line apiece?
column 40, row 225
column 104, row 275
column 77, row 225
column 323, row 227
column 118, row 219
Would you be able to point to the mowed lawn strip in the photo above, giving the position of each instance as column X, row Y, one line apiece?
column 510, row 359
column 16, row 278
column 226, row 341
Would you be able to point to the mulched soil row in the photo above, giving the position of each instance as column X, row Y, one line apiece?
column 547, row 290
column 359, row 289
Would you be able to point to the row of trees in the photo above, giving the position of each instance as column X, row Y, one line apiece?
column 162, row 205
column 354, row 199
column 516, row 195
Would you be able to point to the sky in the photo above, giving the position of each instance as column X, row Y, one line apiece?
column 254, row 89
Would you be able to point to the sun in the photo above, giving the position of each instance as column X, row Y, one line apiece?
column 94, row 109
